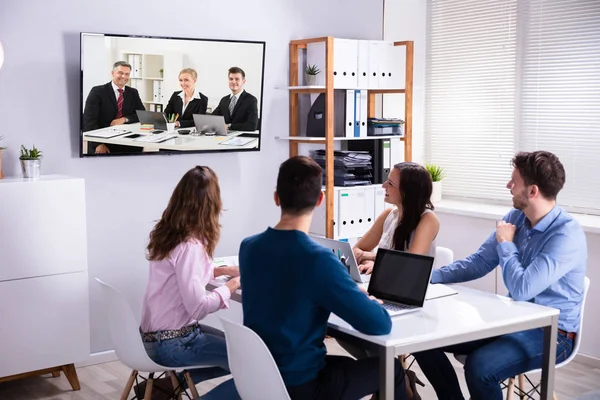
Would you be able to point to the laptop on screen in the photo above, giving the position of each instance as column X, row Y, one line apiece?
column 155, row 118
column 400, row 280
column 343, row 251
column 211, row 125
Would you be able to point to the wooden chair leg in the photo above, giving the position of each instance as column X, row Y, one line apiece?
column 191, row 385
column 129, row 385
column 71, row 374
column 56, row 374
column 510, row 389
column 149, row 383
column 522, row 386
column 176, row 384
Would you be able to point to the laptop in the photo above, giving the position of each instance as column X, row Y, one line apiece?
column 211, row 125
column 343, row 251
column 400, row 280
column 155, row 118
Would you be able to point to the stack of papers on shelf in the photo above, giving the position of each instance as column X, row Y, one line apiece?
column 350, row 168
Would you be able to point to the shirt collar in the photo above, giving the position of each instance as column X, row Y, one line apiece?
column 547, row 220
column 237, row 96
column 195, row 95
column 115, row 87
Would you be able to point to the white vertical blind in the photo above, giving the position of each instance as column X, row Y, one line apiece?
column 470, row 92
column 559, row 91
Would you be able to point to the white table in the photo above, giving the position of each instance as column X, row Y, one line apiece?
column 469, row 315
column 180, row 142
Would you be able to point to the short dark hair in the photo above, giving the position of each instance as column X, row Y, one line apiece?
column 299, row 185
column 543, row 169
column 237, row 70
column 121, row 64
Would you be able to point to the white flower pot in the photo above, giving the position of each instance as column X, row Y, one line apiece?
column 436, row 194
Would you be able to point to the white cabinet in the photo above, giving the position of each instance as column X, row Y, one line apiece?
column 43, row 274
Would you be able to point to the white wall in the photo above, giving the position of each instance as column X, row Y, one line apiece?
column 39, row 102
column 406, row 20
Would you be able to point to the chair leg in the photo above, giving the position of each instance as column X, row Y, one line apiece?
column 510, row 388
column 129, row 385
column 176, row 384
column 56, row 374
column 149, row 383
column 71, row 374
column 521, row 386
column 191, row 384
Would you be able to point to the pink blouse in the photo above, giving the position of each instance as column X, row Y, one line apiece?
column 176, row 293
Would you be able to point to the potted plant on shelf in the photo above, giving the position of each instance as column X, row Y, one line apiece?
column 1, row 148
column 160, row 72
column 437, row 174
column 31, row 162
column 310, row 74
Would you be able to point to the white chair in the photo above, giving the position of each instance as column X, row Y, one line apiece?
column 443, row 257
column 511, row 381
column 254, row 371
column 126, row 339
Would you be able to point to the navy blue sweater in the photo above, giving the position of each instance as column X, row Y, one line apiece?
column 290, row 285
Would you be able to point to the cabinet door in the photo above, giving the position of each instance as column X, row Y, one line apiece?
column 45, row 322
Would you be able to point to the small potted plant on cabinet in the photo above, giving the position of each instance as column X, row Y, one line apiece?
column 1, row 148
column 31, row 162
column 310, row 74
column 161, row 72
column 437, row 174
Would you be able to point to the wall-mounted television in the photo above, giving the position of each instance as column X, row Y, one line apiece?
column 166, row 95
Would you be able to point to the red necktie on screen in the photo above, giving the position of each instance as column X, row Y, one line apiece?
column 120, row 104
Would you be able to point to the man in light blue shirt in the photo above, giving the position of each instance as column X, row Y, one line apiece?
column 542, row 252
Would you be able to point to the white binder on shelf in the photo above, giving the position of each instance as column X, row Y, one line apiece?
column 351, row 203
column 396, row 60
column 385, row 73
column 369, row 213
column 364, row 113
column 379, row 201
column 350, row 112
column 363, row 64
column 374, row 58
column 155, row 91
column 345, row 63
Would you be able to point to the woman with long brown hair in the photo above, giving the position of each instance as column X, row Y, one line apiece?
column 180, row 252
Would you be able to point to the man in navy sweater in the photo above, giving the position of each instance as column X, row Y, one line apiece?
column 290, row 287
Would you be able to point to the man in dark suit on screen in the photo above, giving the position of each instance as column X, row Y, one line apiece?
column 240, row 108
column 112, row 104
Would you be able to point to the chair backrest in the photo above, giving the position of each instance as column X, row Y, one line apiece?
column 254, row 371
column 586, row 286
column 124, row 332
column 443, row 257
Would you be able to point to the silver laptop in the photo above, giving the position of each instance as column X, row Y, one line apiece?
column 400, row 280
column 343, row 251
column 155, row 118
column 211, row 125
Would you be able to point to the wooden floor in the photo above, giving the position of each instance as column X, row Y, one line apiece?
column 106, row 381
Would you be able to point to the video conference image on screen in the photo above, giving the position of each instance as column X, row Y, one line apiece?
column 154, row 95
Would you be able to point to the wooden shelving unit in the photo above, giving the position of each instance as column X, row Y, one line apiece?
column 295, row 90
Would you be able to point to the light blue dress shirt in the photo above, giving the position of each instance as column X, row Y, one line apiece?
column 545, row 264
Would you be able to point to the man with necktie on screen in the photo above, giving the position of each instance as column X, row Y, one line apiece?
column 112, row 104
column 240, row 108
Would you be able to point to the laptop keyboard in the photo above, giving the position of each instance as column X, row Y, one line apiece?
column 396, row 307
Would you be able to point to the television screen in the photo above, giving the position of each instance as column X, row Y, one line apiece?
column 159, row 95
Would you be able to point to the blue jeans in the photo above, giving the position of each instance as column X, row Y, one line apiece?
column 489, row 362
column 203, row 346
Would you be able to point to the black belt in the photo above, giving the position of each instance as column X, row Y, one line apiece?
column 168, row 334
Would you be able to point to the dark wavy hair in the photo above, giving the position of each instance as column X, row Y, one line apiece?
column 192, row 213
column 415, row 188
column 543, row 169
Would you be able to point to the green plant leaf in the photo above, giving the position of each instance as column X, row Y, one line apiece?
column 436, row 172
column 312, row 69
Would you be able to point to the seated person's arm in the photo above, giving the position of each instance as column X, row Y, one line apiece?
column 426, row 231
column 190, row 273
column 334, row 290
column 363, row 249
column 217, row 111
column 133, row 118
column 169, row 109
column 251, row 118
column 91, row 112
column 230, row 270
column 561, row 253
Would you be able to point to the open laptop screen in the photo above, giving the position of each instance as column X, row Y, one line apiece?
column 401, row 277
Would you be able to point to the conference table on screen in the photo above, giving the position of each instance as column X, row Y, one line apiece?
column 466, row 316
column 179, row 142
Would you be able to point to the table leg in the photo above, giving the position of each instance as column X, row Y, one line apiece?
column 549, row 359
column 386, row 373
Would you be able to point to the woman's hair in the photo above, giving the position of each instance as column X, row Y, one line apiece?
column 193, row 213
column 415, row 188
column 190, row 71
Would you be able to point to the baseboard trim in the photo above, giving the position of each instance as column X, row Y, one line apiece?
column 587, row 360
column 98, row 358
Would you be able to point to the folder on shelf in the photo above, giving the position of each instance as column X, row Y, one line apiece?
column 364, row 113
column 350, row 107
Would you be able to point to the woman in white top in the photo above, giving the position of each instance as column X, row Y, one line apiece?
column 411, row 225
